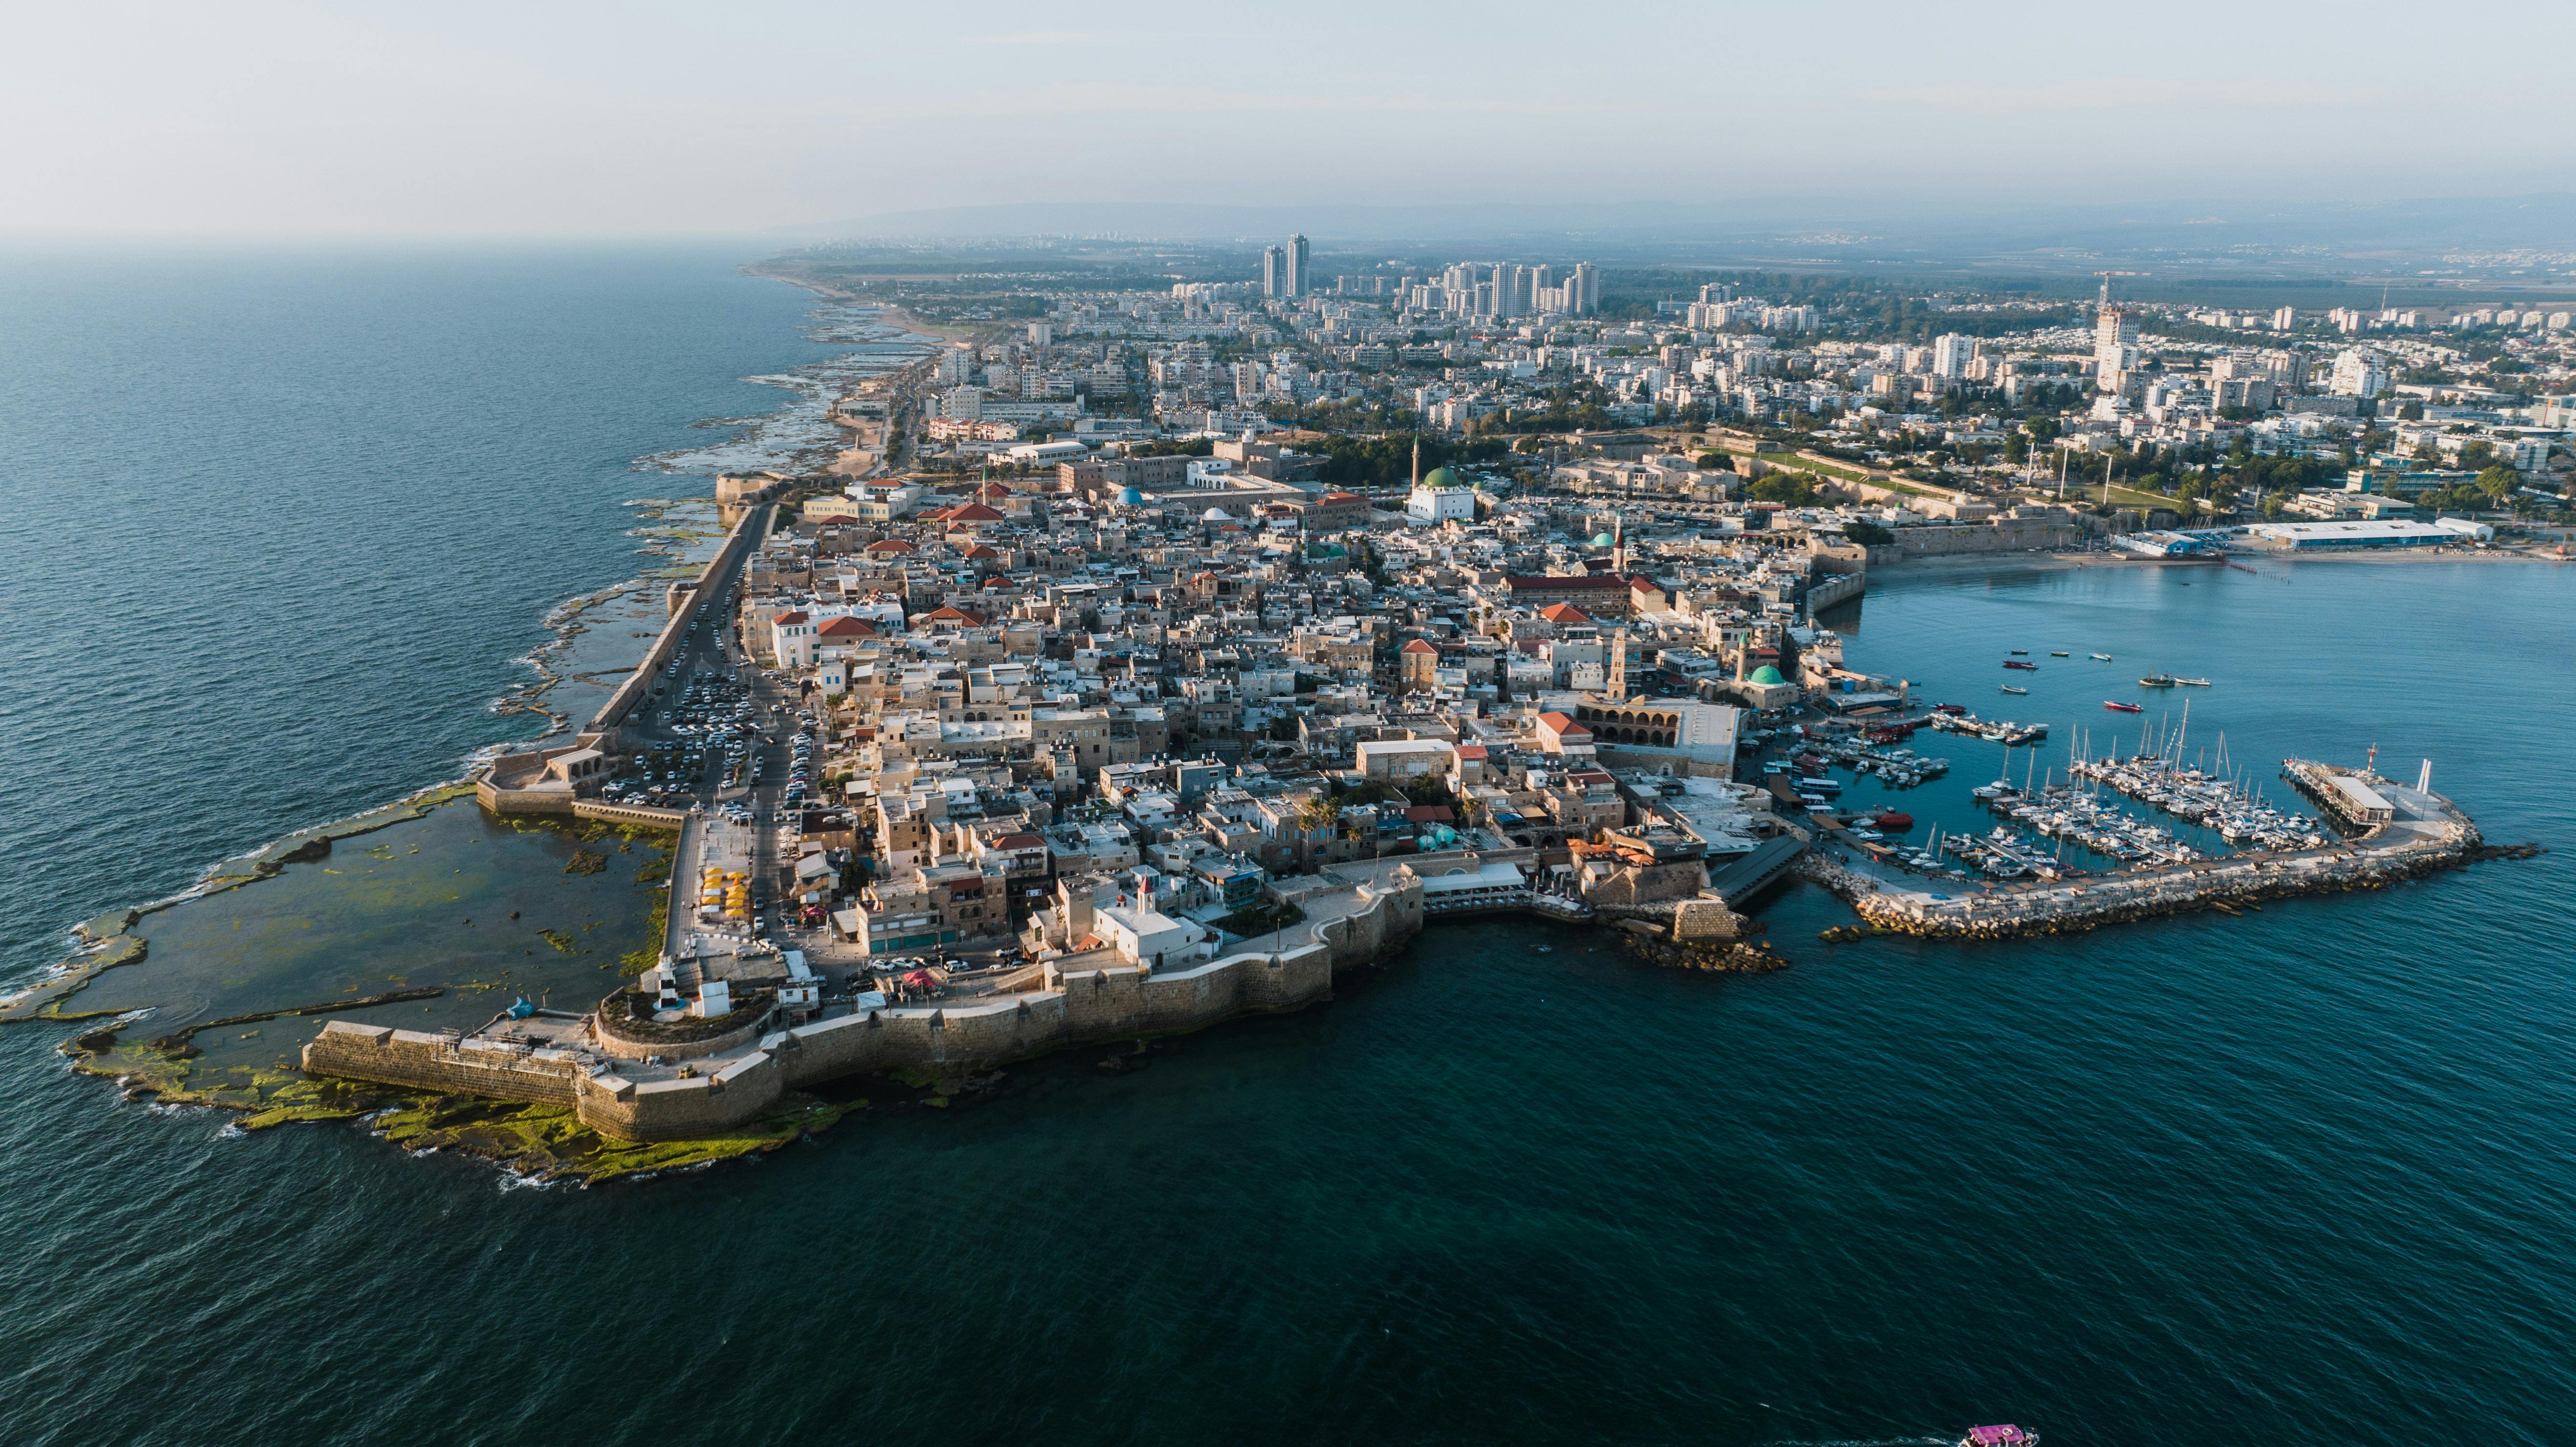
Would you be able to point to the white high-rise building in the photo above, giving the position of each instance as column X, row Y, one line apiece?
column 2359, row 372
column 1298, row 252
column 2115, row 348
column 1951, row 354
column 1274, row 271
column 1583, row 290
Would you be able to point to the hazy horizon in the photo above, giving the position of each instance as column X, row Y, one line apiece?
column 781, row 121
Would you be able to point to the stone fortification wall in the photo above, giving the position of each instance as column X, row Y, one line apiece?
column 746, row 1088
column 639, row 684
column 494, row 793
column 620, row 1047
column 642, row 815
column 2004, row 535
column 442, row 1063
column 1081, row 1006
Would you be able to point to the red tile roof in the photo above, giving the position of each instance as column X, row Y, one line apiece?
column 847, row 627
column 1562, row 726
column 1420, row 646
column 1564, row 613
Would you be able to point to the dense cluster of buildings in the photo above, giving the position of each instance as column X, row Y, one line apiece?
column 1146, row 692
column 2398, row 393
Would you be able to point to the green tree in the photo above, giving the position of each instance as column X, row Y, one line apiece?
column 1794, row 489
column 2499, row 482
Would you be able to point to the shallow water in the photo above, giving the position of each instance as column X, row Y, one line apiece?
column 2301, row 1177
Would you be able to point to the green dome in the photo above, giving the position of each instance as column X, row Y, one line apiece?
column 1766, row 674
column 1604, row 540
column 1441, row 477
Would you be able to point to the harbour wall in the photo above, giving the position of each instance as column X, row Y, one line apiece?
column 1079, row 1006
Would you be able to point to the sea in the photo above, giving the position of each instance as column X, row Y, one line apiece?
column 278, row 529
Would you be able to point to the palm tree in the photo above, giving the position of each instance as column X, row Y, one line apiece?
column 1315, row 813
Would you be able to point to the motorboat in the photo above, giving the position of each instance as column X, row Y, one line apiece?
column 2102, row 657
column 2117, row 707
column 2158, row 680
column 2008, row 688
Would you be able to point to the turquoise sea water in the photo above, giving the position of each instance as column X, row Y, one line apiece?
column 2300, row 1177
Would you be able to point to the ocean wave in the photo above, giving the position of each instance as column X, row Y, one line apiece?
column 801, row 434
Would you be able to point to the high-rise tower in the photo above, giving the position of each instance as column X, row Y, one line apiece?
column 1297, row 251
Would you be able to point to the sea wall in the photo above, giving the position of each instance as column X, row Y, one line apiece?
column 443, row 1063
column 639, row 684
column 1080, row 1006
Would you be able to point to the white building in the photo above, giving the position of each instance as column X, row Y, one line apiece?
column 2115, row 348
column 1147, row 936
column 1406, row 758
column 1438, row 499
column 791, row 640
column 2359, row 372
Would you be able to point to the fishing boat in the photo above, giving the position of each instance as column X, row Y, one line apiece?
column 2193, row 682
column 2019, row 652
column 2158, row 680
column 1895, row 821
column 2103, row 657
column 2008, row 688
column 2057, row 653
column 2118, row 707
column 2024, row 666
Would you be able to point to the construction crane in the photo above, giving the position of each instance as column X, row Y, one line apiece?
column 2106, row 281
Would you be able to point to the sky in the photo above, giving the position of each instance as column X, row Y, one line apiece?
column 466, row 118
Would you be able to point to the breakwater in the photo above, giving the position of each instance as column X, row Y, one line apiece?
column 2427, row 835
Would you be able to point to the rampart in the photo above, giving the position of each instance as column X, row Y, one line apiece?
column 443, row 1062
column 639, row 684
column 497, row 793
column 1076, row 1007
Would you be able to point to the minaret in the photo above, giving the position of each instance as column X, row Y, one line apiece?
column 1417, row 459
column 1619, row 544
column 1618, row 689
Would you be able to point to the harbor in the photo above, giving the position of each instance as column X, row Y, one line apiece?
column 2401, row 833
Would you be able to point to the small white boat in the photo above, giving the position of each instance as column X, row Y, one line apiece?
column 2102, row 657
column 2008, row 688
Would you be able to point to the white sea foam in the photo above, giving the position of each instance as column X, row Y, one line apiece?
column 801, row 434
